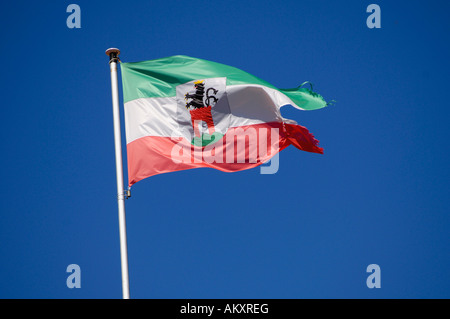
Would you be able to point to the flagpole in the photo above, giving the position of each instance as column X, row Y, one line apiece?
column 113, row 54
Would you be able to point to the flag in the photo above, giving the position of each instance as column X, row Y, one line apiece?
column 182, row 112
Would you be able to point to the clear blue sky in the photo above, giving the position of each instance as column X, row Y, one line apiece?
column 379, row 194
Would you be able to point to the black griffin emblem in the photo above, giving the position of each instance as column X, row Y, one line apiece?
column 197, row 98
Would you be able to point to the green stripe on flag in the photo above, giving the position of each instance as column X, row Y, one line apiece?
column 160, row 77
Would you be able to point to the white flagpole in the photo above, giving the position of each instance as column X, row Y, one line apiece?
column 113, row 54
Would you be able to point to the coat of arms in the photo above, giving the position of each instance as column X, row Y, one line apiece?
column 199, row 103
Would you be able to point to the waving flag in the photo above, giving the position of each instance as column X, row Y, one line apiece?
column 183, row 112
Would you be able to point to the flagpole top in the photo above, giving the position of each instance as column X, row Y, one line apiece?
column 113, row 54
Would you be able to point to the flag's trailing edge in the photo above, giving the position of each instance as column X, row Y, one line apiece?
column 183, row 112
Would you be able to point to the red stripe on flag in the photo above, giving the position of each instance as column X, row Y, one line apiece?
column 240, row 148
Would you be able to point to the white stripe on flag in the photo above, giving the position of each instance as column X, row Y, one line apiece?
column 158, row 116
